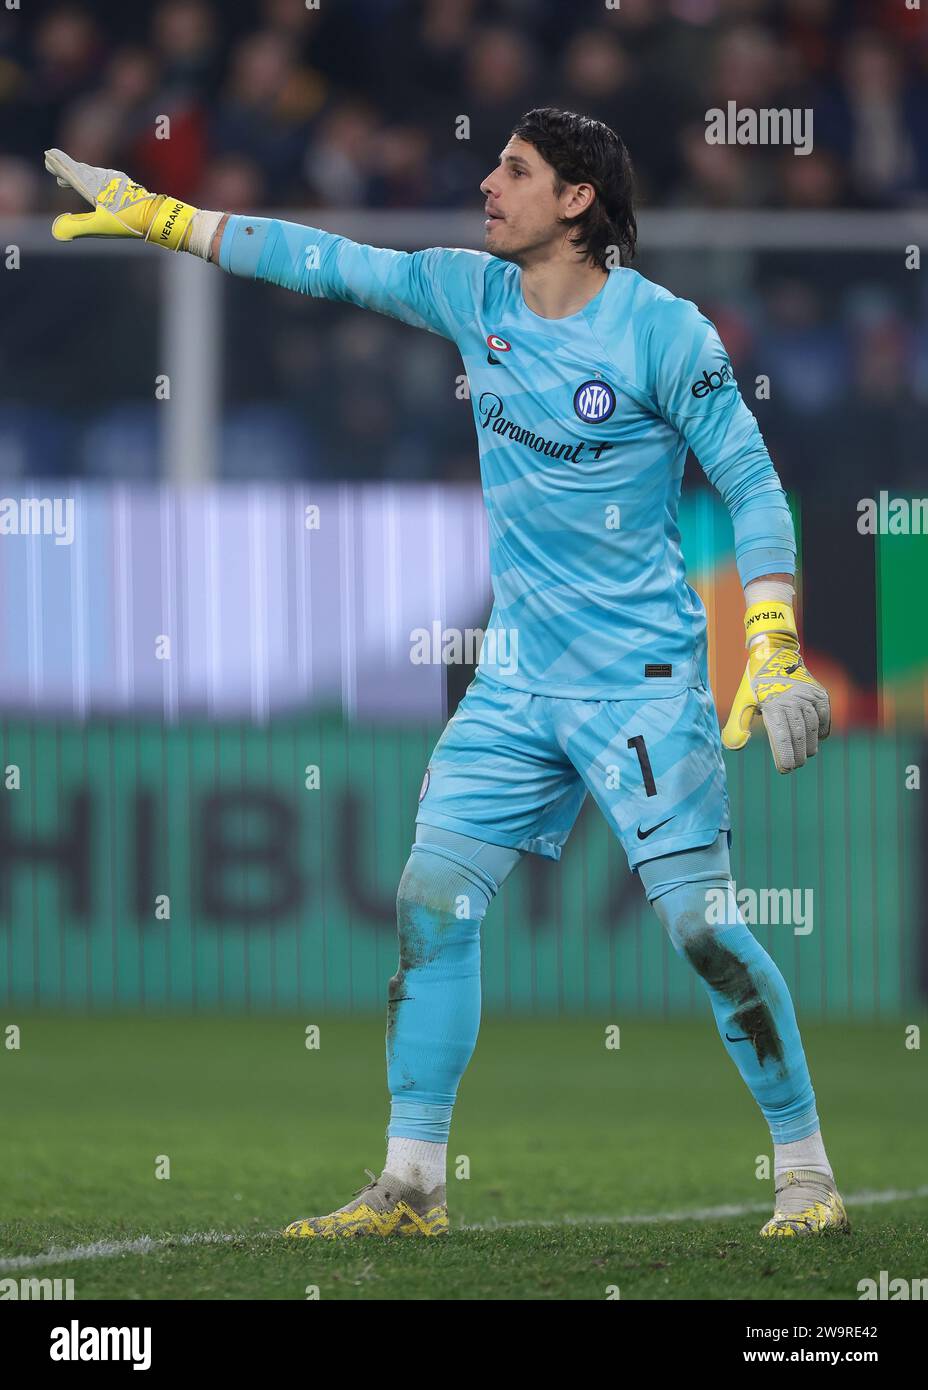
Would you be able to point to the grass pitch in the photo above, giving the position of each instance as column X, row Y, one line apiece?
column 589, row 1170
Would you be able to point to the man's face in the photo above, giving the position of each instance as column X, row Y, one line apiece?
column 522, row 209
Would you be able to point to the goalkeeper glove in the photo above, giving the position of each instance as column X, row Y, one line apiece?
column 795, row 708
column 120, row 207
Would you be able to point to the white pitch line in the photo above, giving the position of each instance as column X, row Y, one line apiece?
column 103, row 1249
column 144, row 1245
column 858, row 1199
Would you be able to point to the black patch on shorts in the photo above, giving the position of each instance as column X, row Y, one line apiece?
column 658, row 669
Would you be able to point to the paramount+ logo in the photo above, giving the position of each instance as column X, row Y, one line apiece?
column 712, row 381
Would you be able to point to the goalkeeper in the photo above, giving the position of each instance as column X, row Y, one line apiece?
column 588, row 384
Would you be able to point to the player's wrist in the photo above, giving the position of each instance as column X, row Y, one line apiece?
column 179, row 226
column 168, row 223
column 768, row 620
column 202, row 235
column 769, row 615
column 756, row 590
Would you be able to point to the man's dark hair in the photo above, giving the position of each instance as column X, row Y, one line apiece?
column 581, row 150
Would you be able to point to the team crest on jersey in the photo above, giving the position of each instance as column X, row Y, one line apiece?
column 594, row 401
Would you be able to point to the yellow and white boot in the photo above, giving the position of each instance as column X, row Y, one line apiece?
column 384, row 1207
column 807, row 1203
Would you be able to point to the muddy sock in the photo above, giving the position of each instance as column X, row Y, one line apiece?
column 433, row 1013
column 802, row 1153
column 751, row 1003
column 417, row 1162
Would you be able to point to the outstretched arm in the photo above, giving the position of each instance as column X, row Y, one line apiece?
column 434, row 289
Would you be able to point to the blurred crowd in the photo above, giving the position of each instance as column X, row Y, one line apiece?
column 357, row 103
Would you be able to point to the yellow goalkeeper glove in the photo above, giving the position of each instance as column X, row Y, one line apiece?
column 794, row 707
column 120, row 207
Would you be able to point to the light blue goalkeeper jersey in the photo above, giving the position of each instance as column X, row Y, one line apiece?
column 583, row 424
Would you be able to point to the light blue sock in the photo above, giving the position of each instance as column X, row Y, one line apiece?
column 749, row 997
column 433, row 1014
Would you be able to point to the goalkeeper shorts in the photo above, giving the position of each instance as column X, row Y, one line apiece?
column 513, row 768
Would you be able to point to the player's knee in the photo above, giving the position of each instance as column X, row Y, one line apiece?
column 434, row 879
column 691, row 892
column 439, row 900
column 706, row 928
column 690, row 934
column 694, row 913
